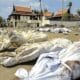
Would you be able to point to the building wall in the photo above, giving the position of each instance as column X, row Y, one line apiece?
column 45, row 21
column 66, row 23
column 25, row 20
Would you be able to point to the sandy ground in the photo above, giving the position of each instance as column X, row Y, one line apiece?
column 74, row 36
column 8, row 73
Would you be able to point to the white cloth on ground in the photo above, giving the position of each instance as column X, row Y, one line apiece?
column 50, row 66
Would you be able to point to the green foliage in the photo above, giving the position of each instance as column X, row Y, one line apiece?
column 2, row 22
column 78, row 12
column 66, row 17
column 70, row 4
column 1, row 19
column 45, row 10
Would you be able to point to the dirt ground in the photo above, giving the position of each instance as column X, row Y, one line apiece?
column 8, row 73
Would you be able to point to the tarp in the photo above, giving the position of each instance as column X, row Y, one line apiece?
column 57, row 65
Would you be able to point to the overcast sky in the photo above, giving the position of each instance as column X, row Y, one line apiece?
column 51, row 5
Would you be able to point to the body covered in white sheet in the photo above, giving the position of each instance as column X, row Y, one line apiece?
column 56, row 65
column 28, row 52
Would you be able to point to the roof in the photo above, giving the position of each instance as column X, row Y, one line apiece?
column 61, row 12
column 22, row 9
column 27, row 11
column 23, row 14
column 47, row 14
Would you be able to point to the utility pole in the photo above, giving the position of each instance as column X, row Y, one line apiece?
column 41, row 10
column 62, row 6
column 41, row 6
column 62, row 11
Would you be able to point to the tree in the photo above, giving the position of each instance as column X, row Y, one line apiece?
column 69, row 5
column 66, row 17
column 78, row 12
column 45, row 10
column 52, row 13
column 2, row 22
column 36, row 11
column 1, row 19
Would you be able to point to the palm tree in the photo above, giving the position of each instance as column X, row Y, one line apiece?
column 69, row 5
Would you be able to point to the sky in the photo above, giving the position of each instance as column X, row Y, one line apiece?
column 52, row 5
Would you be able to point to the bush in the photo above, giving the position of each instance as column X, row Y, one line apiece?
column 66, row 17
column 2, row 22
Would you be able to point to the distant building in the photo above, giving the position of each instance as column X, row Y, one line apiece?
column 58, row 15
column 25, row 16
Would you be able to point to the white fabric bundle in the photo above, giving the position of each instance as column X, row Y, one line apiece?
column 61, row 30
column 61, row 42
column 53, row 65
column 32, row 36
column 22, row 73
column 9, row 61
column 16, row 39
column 29, row 52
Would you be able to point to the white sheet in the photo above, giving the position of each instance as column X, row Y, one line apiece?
column 50, row 66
